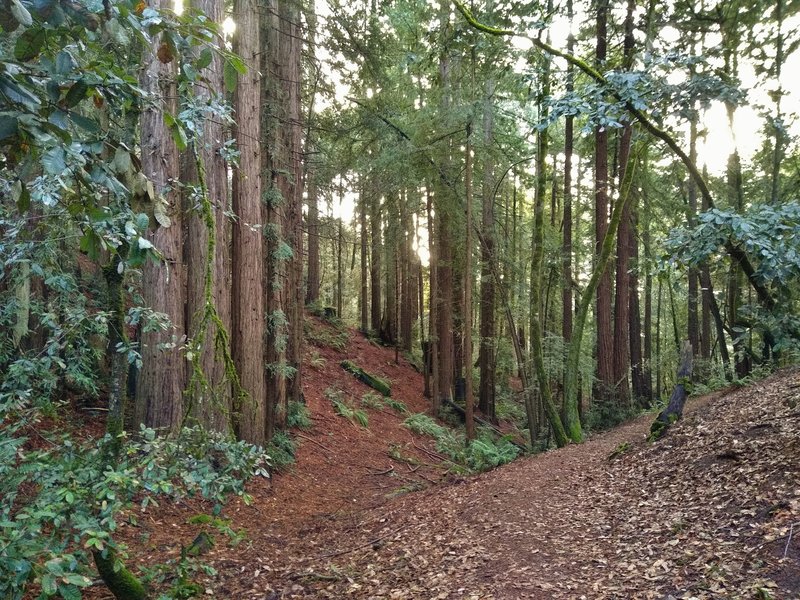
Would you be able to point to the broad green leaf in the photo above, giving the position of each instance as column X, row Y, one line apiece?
column 190, row 72
column 179, row 137
column 230, row 75
column 21, row 13
column 76, row 93
column 64, row 63
column 69, row 591
column 8, row 127
column 238, row 64
column 53, row 161
column 49, row 586
column 122, row 161
column 16, row 93
column 29, row 44
column 21, row 195
column 89, row 125
column 204, row 59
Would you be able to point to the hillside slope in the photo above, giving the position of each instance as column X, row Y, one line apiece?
column 704, row 513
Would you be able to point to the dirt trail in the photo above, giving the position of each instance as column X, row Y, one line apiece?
column 704, row 513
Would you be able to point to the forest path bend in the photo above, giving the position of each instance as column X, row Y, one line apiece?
column 703, row 513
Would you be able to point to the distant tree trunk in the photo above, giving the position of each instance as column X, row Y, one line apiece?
column 622, row 317
column 364, row 297
column 312, row 291
column 375, row 265
column 433, row 321
column 537, row 259
column 604, row 351
column 566, row 245
column 161, row 381
column 658, row 339
column 648, row 298
column 693, row 325
column 339, row 268
column 778, row 124
column 248, row 324
column 627, row 294
column 445, row 306
column 391, row 247
column 408, row 276
column 486, row 352
column 213, row 406
column 467, row 311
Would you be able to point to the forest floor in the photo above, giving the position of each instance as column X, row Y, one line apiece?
column 706, row 512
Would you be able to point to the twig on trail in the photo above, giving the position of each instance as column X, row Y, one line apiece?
column 789, row 541
column 364, row 545
column 389, row 470
column 414, row 470
column 430, row 453
column 313, row 441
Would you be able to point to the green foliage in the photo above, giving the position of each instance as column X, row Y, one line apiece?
column 396, row 405
column 321, row 335
column 317, row 360
column 372, row 400
column 486, row 452
column 281, row 450
column 298, row 416
column 375, row 382
column 60, row 504
column 770, row 235
column 343, row 409
column 508, row 408
column 604, row 415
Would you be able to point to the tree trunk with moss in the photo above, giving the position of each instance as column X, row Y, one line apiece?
column 674, row 409
column 161, row 381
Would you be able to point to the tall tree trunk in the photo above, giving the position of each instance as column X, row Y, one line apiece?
column 375, row 265
column 433, row 320
column 293, row 131
column 625, row 240
column 626, row 294
column 604, row 350
column 467, row 311
column 312, row 291
column 693, row 324
column 778, row 124
column 444, row 229
column 363, row 234
column 537, row 259
column 161, row 381
column 486, row 352
column 214, row 404
column 566, row 245
column 248, row 325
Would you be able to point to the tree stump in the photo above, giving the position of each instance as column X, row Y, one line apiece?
column 674, row 409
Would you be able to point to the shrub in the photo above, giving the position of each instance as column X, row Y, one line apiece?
column 281, row 449
column 59, row 504
column 298, row 416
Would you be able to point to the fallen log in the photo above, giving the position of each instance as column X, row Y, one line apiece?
column 371, row 380
column 674, row 408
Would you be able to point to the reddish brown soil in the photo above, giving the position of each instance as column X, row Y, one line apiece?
column 704, row 513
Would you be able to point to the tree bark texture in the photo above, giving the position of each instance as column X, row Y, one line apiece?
column 161, row 379
column 248, row 325
column 213, row 407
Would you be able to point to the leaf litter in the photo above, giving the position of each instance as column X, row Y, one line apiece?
column 712, row 510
